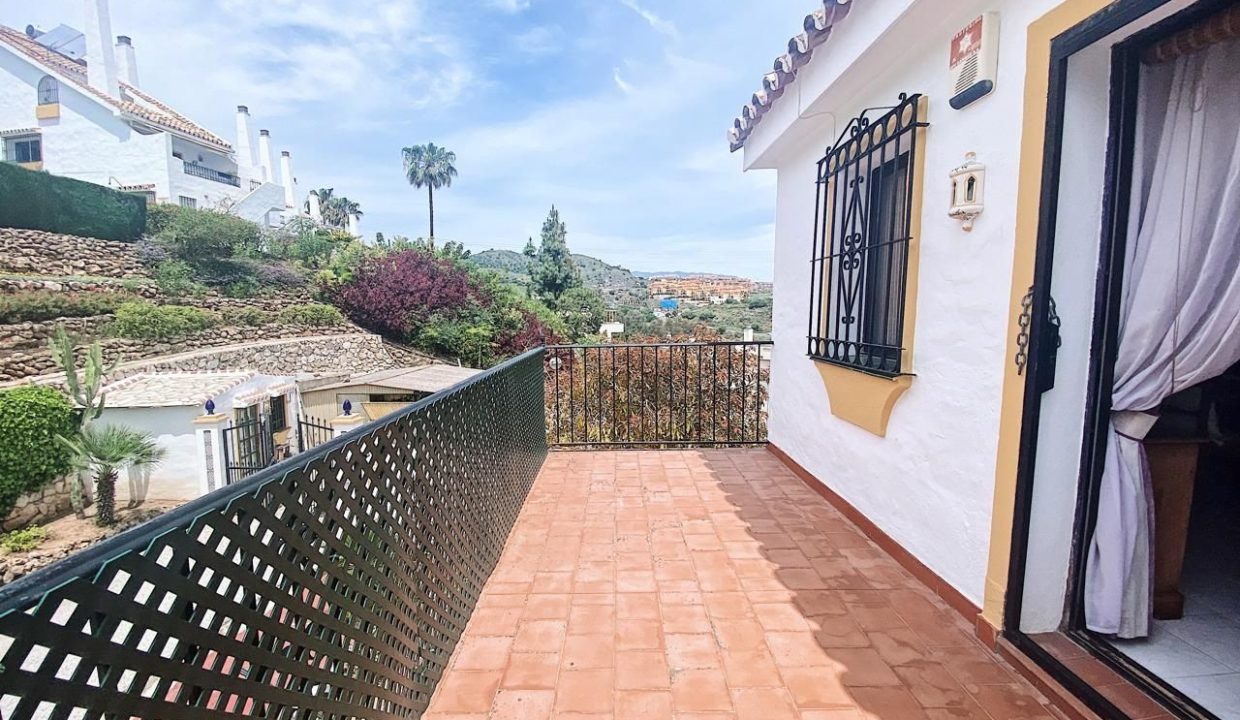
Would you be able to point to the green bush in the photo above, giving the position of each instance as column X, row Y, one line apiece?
column 63, row 205
column 311, row 314
column 30, row 419
column 145, row 321
column 23, row 540
column 40, row 305
column 175, row 278
column 245, row 316
column 197, row 235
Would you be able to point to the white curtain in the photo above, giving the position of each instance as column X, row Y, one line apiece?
column 1180, row 311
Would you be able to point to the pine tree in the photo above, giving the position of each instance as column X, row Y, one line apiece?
column 555, row 272
column 530, row 251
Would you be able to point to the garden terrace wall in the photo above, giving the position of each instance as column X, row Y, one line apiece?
column 134, row 286
column 349, row 347
column 32, row 337
column 39, row 506
column 35, row 252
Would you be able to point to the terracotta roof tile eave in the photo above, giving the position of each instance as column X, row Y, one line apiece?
column 818, row 25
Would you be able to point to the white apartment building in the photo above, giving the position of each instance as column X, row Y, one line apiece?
column 71, row 104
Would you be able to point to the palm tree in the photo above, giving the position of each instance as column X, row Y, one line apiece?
column 338, row 209
column 106, row 451
column 432, row 167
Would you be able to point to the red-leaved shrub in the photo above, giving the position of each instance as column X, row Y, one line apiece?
column 396, row 294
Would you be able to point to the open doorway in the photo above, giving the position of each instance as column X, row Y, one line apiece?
column 1193, row 641
column 1127, row 549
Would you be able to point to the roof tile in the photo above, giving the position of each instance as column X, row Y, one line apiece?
column 818, row 27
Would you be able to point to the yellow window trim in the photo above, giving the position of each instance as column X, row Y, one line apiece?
column 1041, row 33
column 855, row 396
column 47, row 111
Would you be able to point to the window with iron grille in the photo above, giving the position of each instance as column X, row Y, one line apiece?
column 187, row 202
column 864, row 207
column 49, row 90
column 23, row 149
column 278, row 411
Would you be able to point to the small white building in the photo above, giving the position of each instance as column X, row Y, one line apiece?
column 166, row 404
column 71, row 104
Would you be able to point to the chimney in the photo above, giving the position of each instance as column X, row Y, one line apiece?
column 100, row 62
column 354, row 228
column 245, row 152
column 264, row 156
column 286, row 172
column 316, row 209
column 126, row 61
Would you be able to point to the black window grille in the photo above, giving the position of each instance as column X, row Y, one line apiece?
column 24, row 150
column 49, row 90
column 278, row 409
column 864, row 208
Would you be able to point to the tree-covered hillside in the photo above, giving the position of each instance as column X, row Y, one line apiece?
column 617, row 284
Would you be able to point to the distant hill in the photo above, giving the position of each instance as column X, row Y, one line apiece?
column 618, row 285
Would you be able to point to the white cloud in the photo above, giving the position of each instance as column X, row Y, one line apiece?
column 665, row 27
column 511, row 6
column 538, row 41
column 620, row 83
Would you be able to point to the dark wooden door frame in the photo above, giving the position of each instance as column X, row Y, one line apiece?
column 1125, row 75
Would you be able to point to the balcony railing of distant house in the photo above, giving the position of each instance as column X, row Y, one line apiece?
column 658, row 395
column 333, row 584
column 206, row 173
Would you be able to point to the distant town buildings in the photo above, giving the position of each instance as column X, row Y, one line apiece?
column 713, row 288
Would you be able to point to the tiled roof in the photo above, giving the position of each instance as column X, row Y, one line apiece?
column 138, row 104
column 172, row 389
column 818, row 27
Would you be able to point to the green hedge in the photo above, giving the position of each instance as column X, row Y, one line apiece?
column 145, row 321
column 39, row 305
column 41, row 201
column 30, row 457
column 312, row 315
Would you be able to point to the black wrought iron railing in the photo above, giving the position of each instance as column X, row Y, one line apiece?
column 312, row 432
column 202, row 171
column 332, row 585
column 672, row 394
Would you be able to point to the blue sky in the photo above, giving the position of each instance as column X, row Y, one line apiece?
column 614, row 110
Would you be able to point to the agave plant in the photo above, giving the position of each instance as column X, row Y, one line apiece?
column 106, row 451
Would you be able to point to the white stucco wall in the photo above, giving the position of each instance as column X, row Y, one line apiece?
column 87, row 141
column 90, row 142
column 177, row 477
column 929, row 483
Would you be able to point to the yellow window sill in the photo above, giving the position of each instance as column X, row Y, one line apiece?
column 48, row 111
column 860, row 398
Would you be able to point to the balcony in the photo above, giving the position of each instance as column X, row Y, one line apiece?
column 442, row 564
column 206, row 173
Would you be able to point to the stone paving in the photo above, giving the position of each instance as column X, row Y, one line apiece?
column 707, row 585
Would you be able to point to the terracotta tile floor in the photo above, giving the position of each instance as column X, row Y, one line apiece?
column 707, row 585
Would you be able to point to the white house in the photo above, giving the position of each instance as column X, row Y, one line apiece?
column 1005, row 318
column 71, row 103
column 257, row 419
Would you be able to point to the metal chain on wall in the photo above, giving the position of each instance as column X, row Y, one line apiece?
column 333, row 585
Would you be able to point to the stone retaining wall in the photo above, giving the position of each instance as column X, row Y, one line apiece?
column 32, row 337
column 42, row 253
column 145, row 289
column 33, row 361
column 39, row 507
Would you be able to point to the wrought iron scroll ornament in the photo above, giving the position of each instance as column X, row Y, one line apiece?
column 1026, row 320
column 861, row 235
